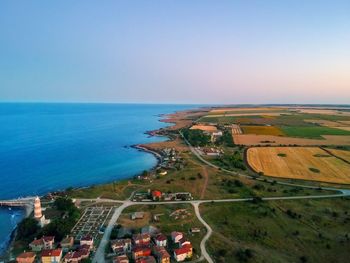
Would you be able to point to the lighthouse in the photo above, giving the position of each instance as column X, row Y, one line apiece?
column 38, row 214
column 37, row 209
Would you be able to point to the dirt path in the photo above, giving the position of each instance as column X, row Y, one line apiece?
column 206, row 179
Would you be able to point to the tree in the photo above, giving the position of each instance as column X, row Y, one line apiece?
column 27, row 229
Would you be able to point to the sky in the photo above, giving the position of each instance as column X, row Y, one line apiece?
column 184, row 51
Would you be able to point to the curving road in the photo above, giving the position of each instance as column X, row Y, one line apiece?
column 207, row 235
column 100, row 252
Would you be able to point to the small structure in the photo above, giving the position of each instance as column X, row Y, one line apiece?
column 183, row 253
column 176, row 236
column 156, row 195
column 160, row 240
column 121, row 259
column 137, row 215
column 195, row 230
column 163, row 173
column 88, row 241
column 51, row 255
column 26, row 257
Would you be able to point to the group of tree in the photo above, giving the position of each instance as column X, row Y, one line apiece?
column 196, row 137
column 62, row 225
column 231, row 161
column 225, row 139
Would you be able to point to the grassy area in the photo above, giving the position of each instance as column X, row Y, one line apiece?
column 116, row 190
column 313, row 132
column 280, row 231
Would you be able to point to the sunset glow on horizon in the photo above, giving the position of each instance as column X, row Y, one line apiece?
column 175, row 51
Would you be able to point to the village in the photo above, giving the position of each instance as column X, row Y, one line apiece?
column 144, row 245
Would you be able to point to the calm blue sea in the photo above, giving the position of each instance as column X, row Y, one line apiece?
column 46, row 147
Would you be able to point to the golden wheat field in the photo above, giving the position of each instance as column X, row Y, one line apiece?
column 341, row 154
column 306, row 163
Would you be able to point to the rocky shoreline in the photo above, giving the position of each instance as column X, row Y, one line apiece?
column 169, row 118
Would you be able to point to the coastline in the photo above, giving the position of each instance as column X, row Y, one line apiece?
column 175, row 120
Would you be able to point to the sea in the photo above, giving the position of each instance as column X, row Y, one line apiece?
column 52, row 146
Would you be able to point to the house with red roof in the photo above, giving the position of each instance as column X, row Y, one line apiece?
column 156, row 195
column 148, row 259
column 48, row 241
column 121, row 259
column 161, row 254
column 139, row 252
column 51, row 255
column 72, row 257
column 160, row 240
column 184, row 241
column 87, row 240
column 142, row 239
column 36, row 245
column 176, row 236
column 183, row 253
column 26, row 257
column 121, row 246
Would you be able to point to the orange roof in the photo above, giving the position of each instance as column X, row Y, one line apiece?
column 183, row 250
column 26, row 255
column 156, row 193
column 36, row 242
column 51, row 252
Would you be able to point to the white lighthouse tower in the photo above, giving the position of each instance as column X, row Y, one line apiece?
column 37, row 209
column 38, row 214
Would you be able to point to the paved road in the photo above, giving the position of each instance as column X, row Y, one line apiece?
column 100, row 252
column 204, row 252
column 99, row 256
column 197, row 154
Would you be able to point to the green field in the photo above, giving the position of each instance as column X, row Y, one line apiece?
column 279, row 231
column 311, row 131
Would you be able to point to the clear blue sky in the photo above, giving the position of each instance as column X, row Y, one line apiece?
column 283, row 51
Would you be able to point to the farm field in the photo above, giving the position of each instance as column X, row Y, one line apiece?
column 262, row 130
column 306, row 163
column 252, row 139
column 312, row 131
column 248, row 114
column 208, row 128
column 245, row 110
column 328, row 123
column 340, row 153
column 325, row 111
